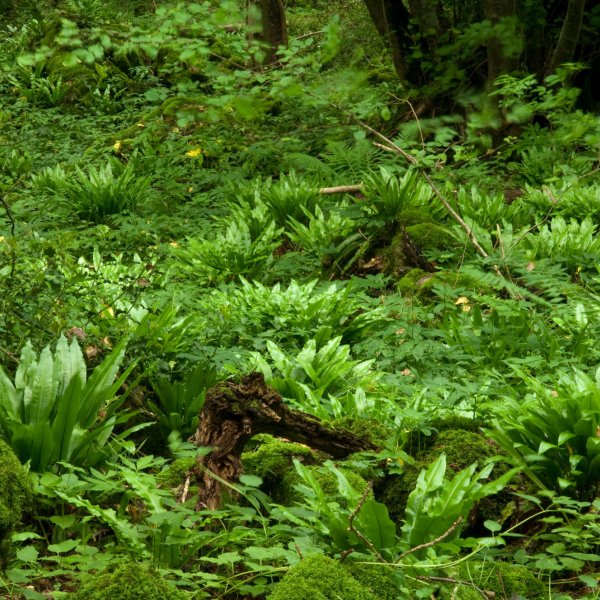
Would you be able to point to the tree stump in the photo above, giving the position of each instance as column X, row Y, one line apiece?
column 236, row 411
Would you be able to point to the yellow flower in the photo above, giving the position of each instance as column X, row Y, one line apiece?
column 117, row 146
column 193, row 153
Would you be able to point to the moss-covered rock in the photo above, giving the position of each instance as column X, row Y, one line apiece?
column 320, row 578
column 383, row 581
column 272, row 460
column 175, row 474
column 420, row 283
column 15, row 495
column 462, row 448
column 128, row 581
column 429, row 237
column 415, row 283
column 497, row 579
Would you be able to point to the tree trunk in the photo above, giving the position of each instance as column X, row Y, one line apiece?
column 272, row 30
column 390, row 18
column 235, row 412
column 569, row 36
column 498, row 61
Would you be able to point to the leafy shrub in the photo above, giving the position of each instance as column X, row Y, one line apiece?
column 553, row 434
column 178, row 403
column 436, row 503
column 290, row 198
column 230, row 254
column 96, row 195
column 462, row 449
column 315, row 374
column 54, row 413
column 296, row 312
column 15, row 495
column 387, row 195
column 575, row 244
column 128, row 581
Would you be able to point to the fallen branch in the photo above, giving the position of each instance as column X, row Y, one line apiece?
column 342, row 189
column 432, row 542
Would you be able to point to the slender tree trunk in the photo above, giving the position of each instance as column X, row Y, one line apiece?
column 391, row 18
column 569, row 36
column 498, row 61
column 272, row 29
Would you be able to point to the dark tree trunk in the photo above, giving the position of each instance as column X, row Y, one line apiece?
column 391, row 20
column 498, row 61
column 272, row 30
column 234, row 412
column 569, row 36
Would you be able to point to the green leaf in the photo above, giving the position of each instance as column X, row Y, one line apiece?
column 65, row 546
column 493, row 526
column 28, row 554
column 374, row 522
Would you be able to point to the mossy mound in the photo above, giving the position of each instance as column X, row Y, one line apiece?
column 128, row 581
column 15, row 495
column 497, row 580
column 384, row 582
column 322, row 578
column 272, row 460
column 430, row 237
column 417, row 282
column 371, row 430
column 175, row 474
column 462, row 448
column 419, row 441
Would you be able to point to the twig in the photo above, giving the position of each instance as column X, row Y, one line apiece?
column 432, row 542
column 351, row 527
column 185, row 490
column 483, row 593
column 11, row 219
column 342, row 189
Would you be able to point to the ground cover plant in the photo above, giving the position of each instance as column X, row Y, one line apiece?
column 295, row 305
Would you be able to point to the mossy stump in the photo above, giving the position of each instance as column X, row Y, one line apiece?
column 234, row 412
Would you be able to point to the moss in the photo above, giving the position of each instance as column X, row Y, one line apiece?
column 320, row 578
column 371, row 430
column 174, row 475
column 429, row 236
column 15, row 495
column 415, row 283
column 272, row 461
column 418, row 441
column 128, row 581
column 497, row 579
column 462, row 448
column 384, row 582
column 78, row 77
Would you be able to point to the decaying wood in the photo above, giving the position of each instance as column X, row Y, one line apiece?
column 234, row 412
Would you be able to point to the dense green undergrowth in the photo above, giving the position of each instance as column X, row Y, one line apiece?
column 167, row 222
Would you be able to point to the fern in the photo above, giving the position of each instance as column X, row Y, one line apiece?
column 301, row 162
column 351, row 160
